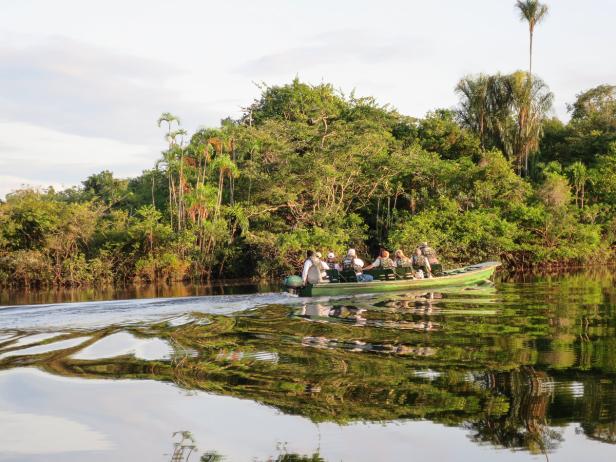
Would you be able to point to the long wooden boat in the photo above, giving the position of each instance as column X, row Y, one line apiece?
column 467, row 275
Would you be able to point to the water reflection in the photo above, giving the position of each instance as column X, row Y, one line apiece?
column 185, row 446
column 130, row 291
column 513, row 366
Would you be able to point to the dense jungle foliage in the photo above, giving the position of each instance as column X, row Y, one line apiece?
column 309, row 167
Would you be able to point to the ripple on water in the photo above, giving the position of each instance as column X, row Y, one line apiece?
column 46, row 348
column 123, row 343
column 35, row 338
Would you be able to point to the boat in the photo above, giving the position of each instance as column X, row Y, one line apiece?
column 467, row 275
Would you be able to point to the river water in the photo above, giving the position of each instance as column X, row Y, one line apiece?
column 522, row 369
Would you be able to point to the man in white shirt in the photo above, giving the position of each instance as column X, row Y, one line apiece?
column 311, row 274
column 323, row 265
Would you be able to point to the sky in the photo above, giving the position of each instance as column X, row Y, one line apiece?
column 82, row 83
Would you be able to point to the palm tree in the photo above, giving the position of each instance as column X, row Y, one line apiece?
column 531, row 101
column 579, row 177
column 533, row 12
column 506, row 112
column 168, row 118
column 226, row 168
column 474, row 110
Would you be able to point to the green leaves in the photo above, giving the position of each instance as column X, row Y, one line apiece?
column 308, row 167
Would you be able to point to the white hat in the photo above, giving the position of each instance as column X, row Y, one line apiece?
column 318, row 255
column 331, row 255
column 351, row 253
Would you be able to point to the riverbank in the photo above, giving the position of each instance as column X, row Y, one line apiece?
column 21, row 296
column 34, row 296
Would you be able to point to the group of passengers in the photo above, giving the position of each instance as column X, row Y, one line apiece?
column 315, row 268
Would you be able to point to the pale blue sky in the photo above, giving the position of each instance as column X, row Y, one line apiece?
column 83, row 82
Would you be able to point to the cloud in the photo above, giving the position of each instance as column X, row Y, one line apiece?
column 75, row 88
column 26, row 434
column 31, row 155
column 9, row 183
column 346, row 46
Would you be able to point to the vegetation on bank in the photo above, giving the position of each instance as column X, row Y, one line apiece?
column 308, row 167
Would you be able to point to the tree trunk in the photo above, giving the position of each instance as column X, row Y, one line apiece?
column 530, row 54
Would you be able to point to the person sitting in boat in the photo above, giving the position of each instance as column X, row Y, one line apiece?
column 383, row 262
column 311, row 273
column 332, row 263
column 322, row 264
column 429, row 253
column 402, row 261
column 421, row 262
column 352, row 263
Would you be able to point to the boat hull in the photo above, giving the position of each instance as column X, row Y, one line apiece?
column 461, row 277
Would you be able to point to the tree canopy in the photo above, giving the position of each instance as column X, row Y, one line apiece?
column 306, row 166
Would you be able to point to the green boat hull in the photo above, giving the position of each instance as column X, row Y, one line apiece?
column 464, row 276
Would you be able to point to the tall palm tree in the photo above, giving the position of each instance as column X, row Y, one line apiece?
column 226, row 168
column 474, row 111
column 168, row 118
column 579, row 177
column 506, row 111
column 533, row 12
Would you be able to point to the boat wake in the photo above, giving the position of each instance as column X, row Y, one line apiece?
column 88, row 315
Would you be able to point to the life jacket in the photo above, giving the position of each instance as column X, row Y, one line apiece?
column 404, row 262
column 419, row 261
column 314, row 272
column 429, row 253
column 348, row 264
column 387, row 263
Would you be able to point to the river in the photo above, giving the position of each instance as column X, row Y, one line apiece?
column 522, row 369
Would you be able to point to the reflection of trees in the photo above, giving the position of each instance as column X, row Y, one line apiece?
column 525, row 424
column 184, row 447
column 299, row 458
column 341, row 362
column 211, row 457
column 598, row 416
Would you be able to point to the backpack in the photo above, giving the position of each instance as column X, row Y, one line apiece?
column 314, row 272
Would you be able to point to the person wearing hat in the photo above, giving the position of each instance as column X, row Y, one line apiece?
column 352, row 263
column 332, row 263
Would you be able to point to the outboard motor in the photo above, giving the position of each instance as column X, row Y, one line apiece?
column 293, row 283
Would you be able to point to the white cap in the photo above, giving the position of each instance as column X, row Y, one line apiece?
column 331, row 255
column 351, row 253
column 318, row 254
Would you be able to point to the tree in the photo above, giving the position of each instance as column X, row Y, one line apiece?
column 533, row 12
column 532, row 101
column 106, row 188
column 169, row 119
column 579, row 177
column 474, row 107
column 506, row 112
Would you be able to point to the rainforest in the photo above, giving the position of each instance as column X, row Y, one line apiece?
column 310, row 167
